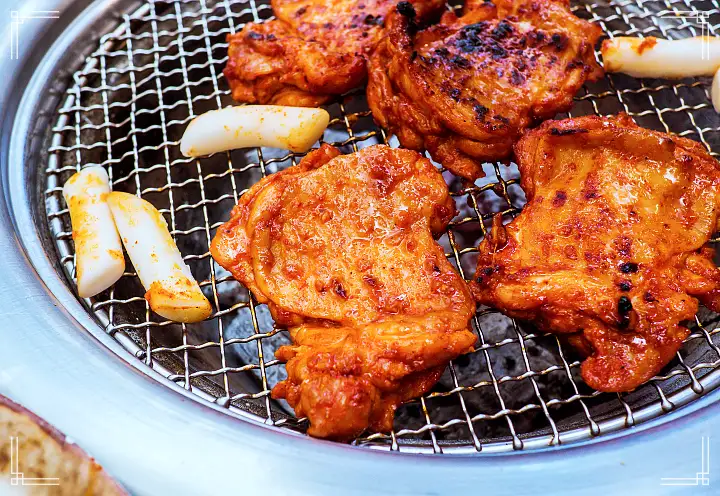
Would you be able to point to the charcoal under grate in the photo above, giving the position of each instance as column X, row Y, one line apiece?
column 126, row 108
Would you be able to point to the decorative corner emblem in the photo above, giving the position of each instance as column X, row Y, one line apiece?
column 702, row 477
column 17, row 18
column 17, row 478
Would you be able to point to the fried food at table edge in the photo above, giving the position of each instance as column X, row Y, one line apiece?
column 315, row 49
column 341, row 248
column 611, row 247
column 464, row 89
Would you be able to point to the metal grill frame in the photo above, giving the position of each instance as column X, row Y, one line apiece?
column 70, row 121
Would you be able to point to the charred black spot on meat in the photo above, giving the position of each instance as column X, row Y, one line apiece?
column 625, row 286
column 624, row 307
column 559, row 41
column 339, row 290
column 566, row 132
column 488, row 271
column 455, row 94
column 406, row 9
column 468, row 40
column 372, row 20
column 475, row 44
column 301, row 11
column 255, row 36
column 413, row 55
column 502, row 119
column 460, row 62
column 480, row 112
column 498, row 52
column 536, row 37
column 474, row 29
column 517, row 78
column 465, row 45
column 502, row 30
column 628, row 268
column 648, row 297
column 560, row 199
column 442, row 52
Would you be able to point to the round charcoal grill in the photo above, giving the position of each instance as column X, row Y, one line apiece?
column 118, row 89
column 126, row 109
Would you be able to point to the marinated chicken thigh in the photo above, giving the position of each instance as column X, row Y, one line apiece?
column 342, row 249
column 465, row 89
column 611, row 248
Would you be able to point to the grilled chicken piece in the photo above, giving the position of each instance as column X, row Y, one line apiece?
column 611, row 246
column 341, row 249
column 315, row 49
column 465, row 89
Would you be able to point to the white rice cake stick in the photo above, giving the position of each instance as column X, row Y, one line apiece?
column 172, row 292
column 715, row 91
column 290, row 128
column 657, row 58
column 98, row 253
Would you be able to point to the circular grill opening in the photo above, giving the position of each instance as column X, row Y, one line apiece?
column 126, row 109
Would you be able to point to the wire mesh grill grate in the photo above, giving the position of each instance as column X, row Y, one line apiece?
column 126, row 109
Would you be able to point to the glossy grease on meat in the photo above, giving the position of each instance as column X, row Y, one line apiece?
column 464, row 89
column 342, row 249
column 611, row 248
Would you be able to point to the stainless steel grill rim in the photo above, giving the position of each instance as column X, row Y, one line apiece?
column 147, row 46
